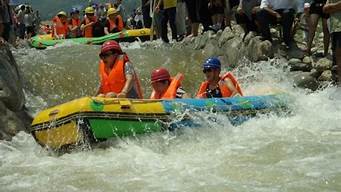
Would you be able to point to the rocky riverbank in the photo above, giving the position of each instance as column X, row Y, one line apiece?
column 310, row 72
column 13, row 117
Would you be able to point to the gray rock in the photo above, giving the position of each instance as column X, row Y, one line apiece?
column 326, row 76
column 211, row 48
column 295, row 52
column 249, row 36
column 233, row 51
column 212, row 35
column 314, row 73
column 11, row 124
column 201, row 41
column 307, row 60
column 258, row 50
column 13, row 118
column 294, row 61
column 11, row 92
column 323, row 64
column 300, row 67
column 219, row 33
column 304, row 80
column 226, row 35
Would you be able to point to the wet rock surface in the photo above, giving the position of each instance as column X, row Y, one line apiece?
column 13, row 117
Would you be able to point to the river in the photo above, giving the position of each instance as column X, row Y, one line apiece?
column 296, row 152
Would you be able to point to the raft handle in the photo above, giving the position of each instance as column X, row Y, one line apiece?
column 125, row 104
column 54, row 112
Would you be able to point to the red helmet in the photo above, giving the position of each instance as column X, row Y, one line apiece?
column 111, row 45
column 160, row 75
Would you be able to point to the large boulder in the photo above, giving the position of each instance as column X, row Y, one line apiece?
column 326, row 76
column 226, row 36
column 10, row 123
column 258, row 50
column 306, row 81
column 13, row 117
column 323, row 64
column 11, row 88
column 298, row 65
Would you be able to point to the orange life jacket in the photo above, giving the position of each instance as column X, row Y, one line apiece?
column 225, row 91
column 172, row 89
column 46, row 29
column 115, row 80
column 88, row 30
column 75, row 23
column 117, row 23
column 61, row 28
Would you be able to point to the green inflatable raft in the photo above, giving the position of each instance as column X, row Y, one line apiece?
column 44, row 41
column 93, row 119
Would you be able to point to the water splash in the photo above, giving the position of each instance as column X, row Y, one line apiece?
column 298, row 152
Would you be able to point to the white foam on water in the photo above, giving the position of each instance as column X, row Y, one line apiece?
column 300, row 151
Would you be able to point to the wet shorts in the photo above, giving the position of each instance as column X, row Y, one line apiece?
column 214, row 9
column 336, row 40
column 336, row 44
column 233, row 3
column 193, row 10
column 316, row 8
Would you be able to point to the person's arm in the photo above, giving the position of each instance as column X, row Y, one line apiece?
column 127, row 87
column 56, row 36
column 106, row 31
column 240, row 4
column 240, row 9
column 231, row 87
column 129, row 75
column 74, row 28
column 106, row 28
column 331, row 8
column 266, row 6
column 70, row 26
column 83, row 26
column 157, row 8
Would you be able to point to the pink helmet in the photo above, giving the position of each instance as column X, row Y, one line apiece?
column 111, row 45
column 160, row 74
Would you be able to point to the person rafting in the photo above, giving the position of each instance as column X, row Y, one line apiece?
column 117, row 74
column 60, row 26
column 74, row 23
column 165, row 86
column 88, row 22
column 217, row 86
column 114, row 22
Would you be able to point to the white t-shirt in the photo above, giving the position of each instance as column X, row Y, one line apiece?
column 298, row 5
column 28, row 20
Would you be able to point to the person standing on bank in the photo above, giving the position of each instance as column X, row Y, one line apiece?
column 277, row 12
column 333, row 7
column 168, row 10
column 316, row 12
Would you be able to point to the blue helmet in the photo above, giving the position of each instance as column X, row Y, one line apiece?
column 212, row 63
column 74, row 10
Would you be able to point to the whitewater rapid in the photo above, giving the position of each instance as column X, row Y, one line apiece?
column 300, row 151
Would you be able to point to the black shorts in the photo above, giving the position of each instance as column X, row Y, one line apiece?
column 193, row 10
column 250, row 23
column 317, row 8
column 336, row 40
column 216, row 10
column 233, row 3
column 30, row 29
column 336, row 44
